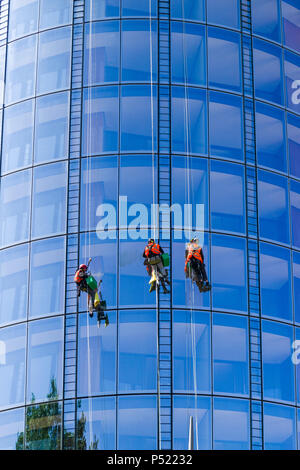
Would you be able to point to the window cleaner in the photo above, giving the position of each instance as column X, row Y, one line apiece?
column 194, row 265
column 156, row 261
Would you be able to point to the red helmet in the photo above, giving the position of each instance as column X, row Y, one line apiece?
column 83, row 266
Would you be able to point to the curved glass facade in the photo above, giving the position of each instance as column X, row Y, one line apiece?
column 162, row 102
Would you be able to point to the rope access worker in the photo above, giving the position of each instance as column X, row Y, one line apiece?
column 80, row 278
column 152, row 253
column 195, row 257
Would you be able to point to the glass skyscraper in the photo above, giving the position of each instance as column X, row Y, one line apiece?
column 136, row 102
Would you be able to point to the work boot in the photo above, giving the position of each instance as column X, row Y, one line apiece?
column 152, row 287
column 106, row 321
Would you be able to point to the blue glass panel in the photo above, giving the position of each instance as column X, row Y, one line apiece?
column 96, row 424
column 293, row 135
column 100, row 120
column 13, row 284
column 96, row 356
column 184, row 292
column 268, row 71
column 99, row 10
column 226, row 126
column 296, row 362
column 20, row 69
column 138, row 118
column 224, row 59
column 137, row 351
column 291, row 23
column 54, row 60
column 296, row 275
column 43, row 427
column 191, row 352
column 189, row 121
column 224, row 15
column 273, row 207
column 270, row 137
column 229, row 274
column 51, row 127
column 137, row 423
column 55, row 13
column 12, row 429
column 275, row 282
column 200, row 409
column 139, row 7
column 235, row 436
column 266, row 19
column 2, row 72
column 49, row 200
column 17, row 144
column 47, row 283
column 188, row 53
column 227, row 197
column 295, row 212
column 12, row 365
column 278, row 368
column 15, row 207
column 45, row 360
column 99, row 177
column 139, row 51
column 23, row 18
column 103, row 266
column 292, row 81
column 101, row 53
column 279, row 427
column 189, row 9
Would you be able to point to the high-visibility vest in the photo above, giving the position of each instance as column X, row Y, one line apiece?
column 155, row 249
column 77, row 278
column 196, row 252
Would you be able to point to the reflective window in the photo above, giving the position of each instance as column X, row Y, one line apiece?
column 137, row 347
column 296, row 361
column 295, row 212
column 278, row 368
column 100, row 10
column 293, row 135
column 12, row 365
column 12, row 429
column 279, row 427
column 200, row 409
column 138, row 118
column 268, row 70
column 100, row 120
column 103, row 266
column 218, row 13
column 20, row 69
column 273, row 207
column 188, row 43
column 13, row 284
column 270, row 137
column 96, row 356
column 224, row 59
column 227, row 207
column 226, row 126
column 137, row 423
column 189, row 9
column 189, row 121
column 102, row 53
column 139, row 7
column 47, row 283
column 275, row 281
column 139, row 51
column 2, row 72
column 237, row 435
column 291, row 23
column 49, row 200
column 266, row 19
column 292, row 80
column 55, row 13
column 184, row 292
column 96, row 424
column 17, row 147
column 191, row 352
column 15, row 207
column 52, row 127
column 23, row 18
column 45, row 359
column 54, row 60
column 296, row 275
column 229, row 274
column 190, row 186
column 99, row 177
column 43, row 427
